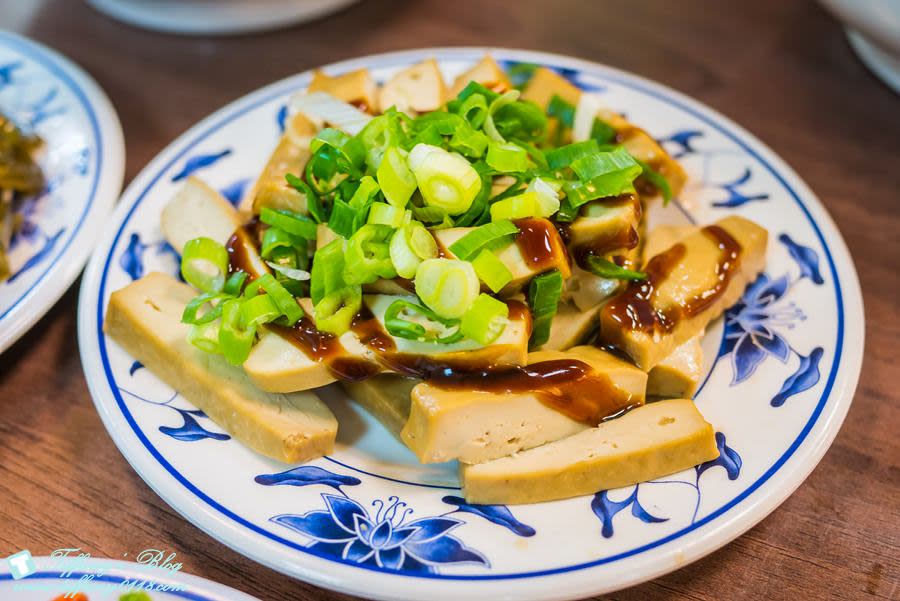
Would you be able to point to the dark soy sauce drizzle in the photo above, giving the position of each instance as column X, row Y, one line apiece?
column 540, row 244
column 326, row 348
column 238, row 256
column 634, row 307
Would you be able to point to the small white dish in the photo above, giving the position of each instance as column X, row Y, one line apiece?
column 781, row 371
column 216, row 17
column 83, row 162
column 107, row 579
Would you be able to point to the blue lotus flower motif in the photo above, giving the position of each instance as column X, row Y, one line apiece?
column 750, row 334
column 386, row 540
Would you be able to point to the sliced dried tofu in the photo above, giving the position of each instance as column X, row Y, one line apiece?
column 486, row 72
column 570, row 326
column 476, row 425
column 387, row 397
column 694, row 276
column 677, row 375
column 145, row 319
column 417, row 89
column 197, row 211
column 649, row 442
column 546, row 83
column 356, row 87
column 290, row 156
column 664, row 236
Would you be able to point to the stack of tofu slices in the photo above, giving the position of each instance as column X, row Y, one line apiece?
column 513, row 445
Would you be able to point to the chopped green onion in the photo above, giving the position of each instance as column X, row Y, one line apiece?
column 368, row 255
column 258, row 310
column 446, row 180
column 474, row 109
column 524, row 205
column 489, row 234
column 523, row 121
column 431, row 216
column 313, row 203
column 293, row 223
column 567, row 212
column 566, row 155
column 447, row 286
column 472, row 88
column 275, row 237
column 395, row 178
column 491, row 270
column 656, row 178
column 344, row 220
column 381, row 133
column 235, row 283
column 204, row 264
column 398, row 322
column 609, row 270
column 507, row 157
column 191, row 313
column 592, row 166
column 409, row 246
column 335, row 312
column 547, row 196
column 235, row 341
column 562, row 110
column 283, row 299
column 543, row 299
column 603, row 132
column 292, row 273
column 365, row 192
column 205, row 337
column 327, row 270
column 485, row 320
column 490, row 128
column 469, row 142
column 385, row 214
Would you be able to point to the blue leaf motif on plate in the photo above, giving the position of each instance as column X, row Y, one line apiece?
column 198, row 162
column 606, row 509
column 807, row 259
column 497, row 514
column 728, row 458
column 806, row 376
column 235, row 191
column 132, row 259
column 190, row 430
column 7, row 71
column 134, row 367
column 683, row 141
column 737, row 198
column 346, row 530
column 281, row 118
column 47, row 248
column 306, row 475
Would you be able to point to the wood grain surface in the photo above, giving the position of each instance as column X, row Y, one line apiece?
column 783, row 69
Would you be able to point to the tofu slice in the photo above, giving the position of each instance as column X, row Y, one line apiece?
column 677, row 375
column 277, row 365
column 475, row 426
column 649, row 442
column 417, row 89
column 387, row 397
column 607, row 224
column 145, row 319
column 662, row 237
column 290, row 156
column 197, row 210
column 547, row 83
column 486, row 72
column 695, row 274
column 570, row 326
column 521, row 267
column 355, row 87
column 586, row 290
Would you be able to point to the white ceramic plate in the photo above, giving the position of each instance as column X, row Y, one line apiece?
column 83, row 163
column 106, row 580
column 369, row 520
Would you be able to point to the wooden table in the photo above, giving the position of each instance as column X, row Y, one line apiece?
column 781, row 68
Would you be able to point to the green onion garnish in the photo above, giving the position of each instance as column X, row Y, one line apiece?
column 191, row 314
column 204, row 264
column 446, row 180
column 368, row 257
column 490, row 128
column 489, row 234
column 447, row 286
column 566, row 155
column 235, row 340
column 485, row 320
column 205, row 337
column 609, row 270
column 258, row 310
column 275, row 237
column 398, row 320
column 313, row 203
column 507, row 157
column 283, row 299
column 395, row 178
column 381, row 213
column 327, row 270
column 335, row 312
column 524, row 205
column 656, row 178
column 410, row 245
column 293, row 223
column 562, row 110
column 603, row 132
column 491, row 270
column 235, row 283
column 543, row 299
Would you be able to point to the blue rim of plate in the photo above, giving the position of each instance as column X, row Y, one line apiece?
column 39, row 55
column 629, row 82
